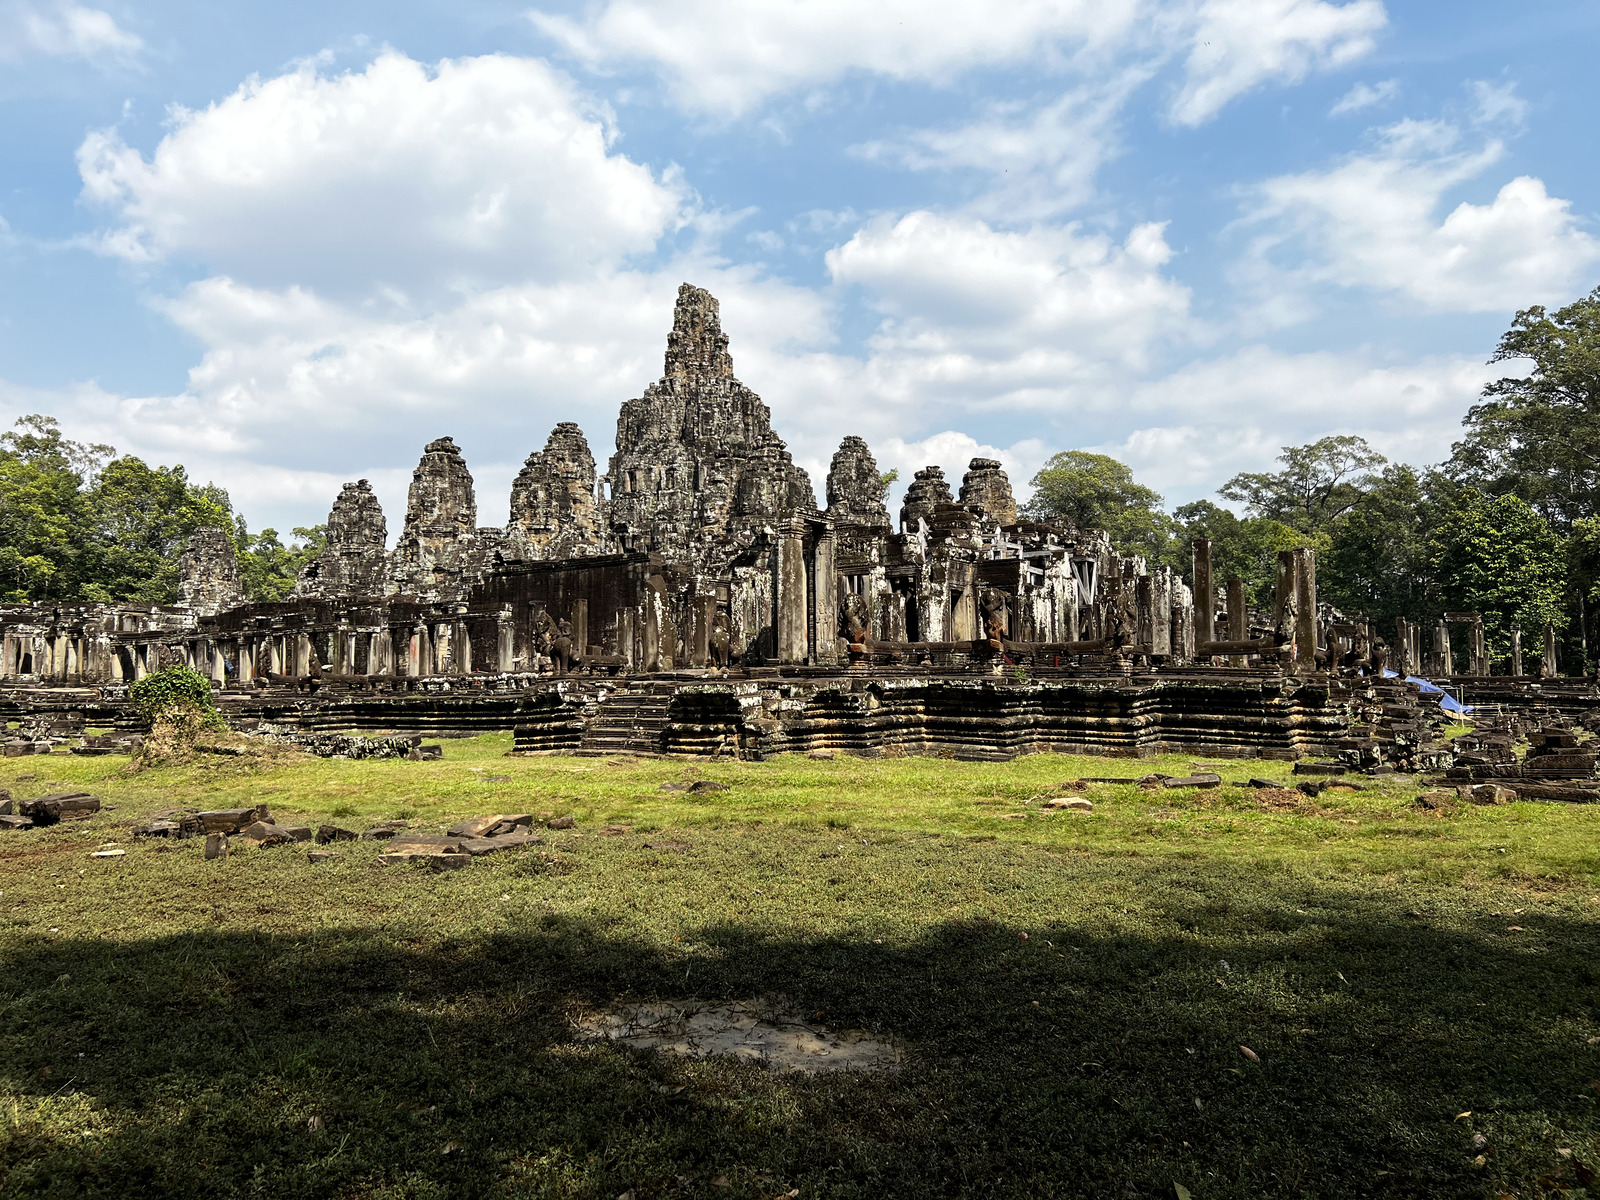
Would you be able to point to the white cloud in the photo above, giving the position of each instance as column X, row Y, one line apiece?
column 1498, row 104
column 480, row 171
column 954, row 450
column 63, row 30
column 1199, row 426
column 1365, row 95
column 1042, row 159
column 1241, row 44
column 728, row 56
column 1374, row 221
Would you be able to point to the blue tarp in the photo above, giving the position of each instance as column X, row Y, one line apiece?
column 1447, row 702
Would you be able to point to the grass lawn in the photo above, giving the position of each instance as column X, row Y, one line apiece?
column 1419, row 989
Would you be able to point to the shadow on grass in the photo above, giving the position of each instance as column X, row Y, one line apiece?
column 194, row 1065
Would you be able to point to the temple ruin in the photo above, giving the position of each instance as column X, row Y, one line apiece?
column 694, row 598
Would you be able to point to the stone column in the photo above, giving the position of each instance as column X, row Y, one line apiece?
column 1160, row 614
column 1548, row 668
column 825, row 607
column 275, row 655
column 1516, row 649
column 461, row 650
column 416, row 648
column 790, row 593
column 506, row 647
column 1238, row 622
column 1441, row 649
column 1305, row 591
column 219, row 664
column 625, row 637
column 247, row 661
column 1480, row 650
column 705, row 608
column 70, row 659
column 302, row 654
column 1144, row 593
column 1205, row 596
column 580, row 626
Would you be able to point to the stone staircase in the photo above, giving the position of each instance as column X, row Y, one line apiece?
column 631, row 722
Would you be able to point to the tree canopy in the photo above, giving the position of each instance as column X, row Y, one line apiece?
column 78, row 522
column 1319, row 483
column 1095, row 491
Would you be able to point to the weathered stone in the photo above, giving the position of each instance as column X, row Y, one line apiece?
column 707, row 785
column 560, row 823
column 1436, row 799
column 855, row 487
column 823, row 755
column 334, row 833
column 1076, row 804
column 208, row 573
column 161, row 829
column 297, row 833
column 487, row 826
column 553, row 510
column 354, row 561
column 15, row 821
column 505, row 841
column 321, row 856
column 216, row 845
column 264, row 833
column 1491, row 793
column 441, row 550
column 231, row 820
column 1204, row 779
column 986, row 488
column 928, row 491
column 60, row 806
column 698, row 470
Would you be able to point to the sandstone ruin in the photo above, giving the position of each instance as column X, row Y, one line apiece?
column 695, row 598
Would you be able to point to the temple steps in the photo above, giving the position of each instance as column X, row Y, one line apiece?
column 632, row 722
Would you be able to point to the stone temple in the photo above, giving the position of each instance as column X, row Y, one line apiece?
column 694, row 598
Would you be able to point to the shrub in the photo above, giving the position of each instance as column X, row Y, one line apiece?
column 175, row 695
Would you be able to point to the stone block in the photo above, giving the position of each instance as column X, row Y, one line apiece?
column 15, row 821
column 216, row 845
column 333, row 833
column 297, row 833
column 707, row 785
column 477, row 827
column 1257, row 782
column 824, row 755
column 231, row 820
column 1074, row 804
column 560, row 823
column 1204, row 779
column 508, row 841
column 61, row 806
column 1437, row 799
column 1491, row 793
column 264, row 833
column 320, row 856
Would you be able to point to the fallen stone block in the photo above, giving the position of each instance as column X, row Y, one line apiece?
column 1203, row 780
column 707, row 785
column 425, row 753
column 297, row 833
column 1436, row 799
column 508, row 841
column 334, row 833
column 1075, row 804
column 560, row 823
column 216, row 845
column 108, row 852
column 61, row 806
column 1258, row 782
column 824, row 755
column 264, row 833
column 1490, row 793
column 15, row 821
column 484, row 826
column 162, row 828
column 439, row 857
column 231, row 820
column 8, row 806
column 1305, row 768
column 384, row 830
column 321, row 856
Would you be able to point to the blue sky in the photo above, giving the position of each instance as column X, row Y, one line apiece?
column 287, row 245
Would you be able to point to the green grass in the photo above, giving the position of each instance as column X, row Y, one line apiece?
column 170, row 1026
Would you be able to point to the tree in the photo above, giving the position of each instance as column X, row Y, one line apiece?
column 42, row 516
column 1499, row 557
column 1095, row 491
column 1538, row 436
column 886, row 480
column 267, row 568
column 1377, row 558
column 1241, row 547
column 1320, row 482
column 142, row 517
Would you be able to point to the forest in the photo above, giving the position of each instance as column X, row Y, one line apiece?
column 1507, row 524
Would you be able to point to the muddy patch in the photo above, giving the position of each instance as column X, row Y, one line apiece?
column 748, row 1032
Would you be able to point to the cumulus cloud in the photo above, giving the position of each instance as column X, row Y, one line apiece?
column 63, row 30
column 477, row 172
column 1374, row 221
column 1365, row 95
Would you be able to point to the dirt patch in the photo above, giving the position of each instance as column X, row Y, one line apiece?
column 745, row 1031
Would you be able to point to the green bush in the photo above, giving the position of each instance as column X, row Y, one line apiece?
column 175, row 693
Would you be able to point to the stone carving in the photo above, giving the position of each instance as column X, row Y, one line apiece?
column 208, row 573
column 927, row 492
column 697, row 462
column 720, row 641
column 553, row 511
column 554, row 639
column 855, row 620
column 986, row 488
column 354, row 562
column 855, row 489
column 996, row 619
